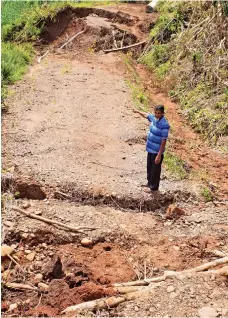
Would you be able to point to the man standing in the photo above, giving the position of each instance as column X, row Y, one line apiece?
column 155, row 145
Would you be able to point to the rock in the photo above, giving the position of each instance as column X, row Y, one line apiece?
column 26, row 205
column 38, row 212
column 6, row 249
column 12, row 307
column 32, row 235
column 43, row 287
column 86, row 242
column 207, row 312
column 136, row 308
column 174, row 212
column 24, row 235
column 38, row 278
column 170, row 289
column 31, row 256
column 28, row 251
column 2, row 268
column 44, row 245
column 176, row 248
column 28, row 301
column 53, row 269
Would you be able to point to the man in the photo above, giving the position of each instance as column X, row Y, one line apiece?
column 155, row 145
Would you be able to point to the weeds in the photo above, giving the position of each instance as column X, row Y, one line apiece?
column 207, row 195
column 189, row 51
column 175, row 165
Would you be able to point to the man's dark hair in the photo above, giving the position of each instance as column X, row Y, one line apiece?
column 160, row 108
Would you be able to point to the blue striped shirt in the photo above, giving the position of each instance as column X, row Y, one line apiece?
column 158, row 131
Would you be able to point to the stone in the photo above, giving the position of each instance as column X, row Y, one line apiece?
column 12, row 307
column 44, row 245
column 26, row 205
column 38, row 212
column 174, row 212
column 32, row 235
column 207, row 312
column 176, row 248
column 28, row 301
column 6, row 249
column 170, row 289
column 2, row 268
column 24, row 235
column 38, row 278
column 224, row 312
column 28, row 251
column 31, row 256
column 53, row 269
column 136, row 308
column 86, row 242
column 43, row 287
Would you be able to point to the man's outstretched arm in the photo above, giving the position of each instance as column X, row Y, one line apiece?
column 143, row 114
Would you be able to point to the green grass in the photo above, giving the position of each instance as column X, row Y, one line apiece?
column 206, row 193
column 174, row 166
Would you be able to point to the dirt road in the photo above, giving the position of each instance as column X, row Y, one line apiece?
column 71, row 130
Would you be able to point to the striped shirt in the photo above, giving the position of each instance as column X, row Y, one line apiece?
column 158, row 131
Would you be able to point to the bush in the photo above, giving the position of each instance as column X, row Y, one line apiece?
column 15, row 59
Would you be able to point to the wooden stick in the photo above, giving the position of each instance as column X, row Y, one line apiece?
column 125, row 47
column 41, row 57
column 105, row 303
column 49, row 221
column 169, row 274
column 19, row 286
column 15, row 262
column 71, row 39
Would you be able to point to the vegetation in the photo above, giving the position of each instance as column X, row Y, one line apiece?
column 22, row 23
column 175, row 165
column 188, row 53
column 207, row 195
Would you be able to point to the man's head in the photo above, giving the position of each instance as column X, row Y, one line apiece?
column 159, row 111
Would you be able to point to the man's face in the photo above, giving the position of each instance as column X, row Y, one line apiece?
column 158, row 114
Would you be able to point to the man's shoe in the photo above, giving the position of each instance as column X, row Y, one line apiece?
column 145, row 185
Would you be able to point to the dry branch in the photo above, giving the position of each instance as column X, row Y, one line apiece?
column 19, row 286
column 105, row 303
column 71, row 39
column 170, row 274
column 49, row 221
column 125, row 47
column 41, row 57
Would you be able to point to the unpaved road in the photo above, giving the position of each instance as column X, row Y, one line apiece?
column 70, row 127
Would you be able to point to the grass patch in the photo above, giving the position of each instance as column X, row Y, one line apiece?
column 175, row 166
column 206, row 193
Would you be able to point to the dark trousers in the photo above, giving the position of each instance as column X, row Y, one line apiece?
column 153, row 171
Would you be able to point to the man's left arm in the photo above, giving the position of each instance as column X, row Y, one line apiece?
column 165, row 133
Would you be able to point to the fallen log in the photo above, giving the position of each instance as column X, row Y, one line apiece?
column 19, row 286
column 125, row 47
column 49, row 221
